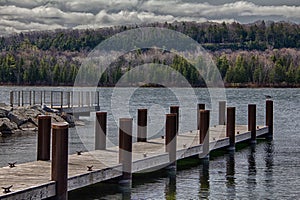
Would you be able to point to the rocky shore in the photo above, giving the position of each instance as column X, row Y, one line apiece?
column 21, row 119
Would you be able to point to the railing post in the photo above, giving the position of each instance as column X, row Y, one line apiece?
column 252, row 122
column 81, row 99
column 171, row 139
column 201, row 106
column 125, row 150
column 175, row 110
column 222, row 108
column 100, row 132
column 269, row 117
column 44, row 132
column 142, row 125
column 230, row 127
column 22, row 98
column 42, row 98
column 19, row 96
column 204, row 132
column 30, row 98
column 61, row 99
column 33, row 97
column 11, row 98
column 59, row 167
column 68, row 98
column 51, row 99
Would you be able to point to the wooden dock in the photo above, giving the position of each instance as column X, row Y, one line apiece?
column 34, row 180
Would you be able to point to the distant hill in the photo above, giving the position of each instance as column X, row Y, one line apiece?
column 260, row 54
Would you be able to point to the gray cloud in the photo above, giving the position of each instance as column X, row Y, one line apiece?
column 27, row 15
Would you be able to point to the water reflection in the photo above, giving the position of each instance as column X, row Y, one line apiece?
column 170, row 189
column 204, row 178
column 230, row 175
column 269, row 163
column 252, row 171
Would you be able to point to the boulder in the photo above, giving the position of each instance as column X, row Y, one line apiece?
column 22, row 115
column 6, row 126
column 69, row 118
column 4, row 111
column 28, row 126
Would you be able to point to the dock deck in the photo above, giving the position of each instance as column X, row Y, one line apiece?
column 32, row 180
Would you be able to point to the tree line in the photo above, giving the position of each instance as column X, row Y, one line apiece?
column 262, row 53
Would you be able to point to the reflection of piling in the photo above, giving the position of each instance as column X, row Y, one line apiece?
column 125, row 149
column 170, row 140
column 59, row 167
column 175, row 110
column 252, row 122
column 44, row 132
column 230, row 127
column 222, row 107
column 204, row 132
column 142, row 125
column 201, row 106
column 100, row 130
column 269, row 117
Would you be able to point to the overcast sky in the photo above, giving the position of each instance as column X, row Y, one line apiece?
column 29, row 15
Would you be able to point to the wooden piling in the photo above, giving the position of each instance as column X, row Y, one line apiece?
column 230, row 127
column 59, row 165
column 175, row 110
column 201, row 106
column 33, row 97
column 30, row 98
column 42, row 98
column 11, row 100
column 22, row 98
column 100, row 130
column 125, row 150
column 44, row 132
column 61, row 99
column 252, row 122
column 269, row 117
column 142, row 125
column 171, row 140
column 51, row 99
column 222, row 108
column 204, row 132
column 19, row 96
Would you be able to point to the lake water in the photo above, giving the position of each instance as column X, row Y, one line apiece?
column 269, row 170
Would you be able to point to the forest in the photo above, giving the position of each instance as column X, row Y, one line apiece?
column 259, row 54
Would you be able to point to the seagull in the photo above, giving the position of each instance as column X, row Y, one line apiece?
column 268, row 97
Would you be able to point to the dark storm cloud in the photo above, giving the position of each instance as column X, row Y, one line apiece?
column 26, row 15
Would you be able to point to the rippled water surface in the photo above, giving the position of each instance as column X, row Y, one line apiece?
column 269, row 170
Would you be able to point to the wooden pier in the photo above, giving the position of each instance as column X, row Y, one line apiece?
column 35, row 180
column 64, row 101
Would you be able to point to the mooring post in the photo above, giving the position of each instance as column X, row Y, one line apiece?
column 100, row 130
column 11, row 98
column 269, row 117
column 59, row 165
column 230, row 127
column 252, row 122
column 175, row 110
column 171, row 140
column 125, row 150
column 204, row 132
column 201, row 106
column 222, row 108
column 44, row 132
column 142, row 125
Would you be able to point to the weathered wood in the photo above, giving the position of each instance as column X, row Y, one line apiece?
column 204, row 132
column 269, row 117
column 222, row 109
column 142, row 125
column 100, row 130
column 170, row 141
column 252, row 122
column 175, row 109
column 59, row 167
column 44, row 132
column 230, row 128
column 201, row 106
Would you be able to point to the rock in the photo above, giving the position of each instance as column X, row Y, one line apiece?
column 22, row 115
column 17, row 117
column 69, row 118
column 55, row 117
column 4, row 111
column 28, row 126
column 50, row 110
column 6, row 126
